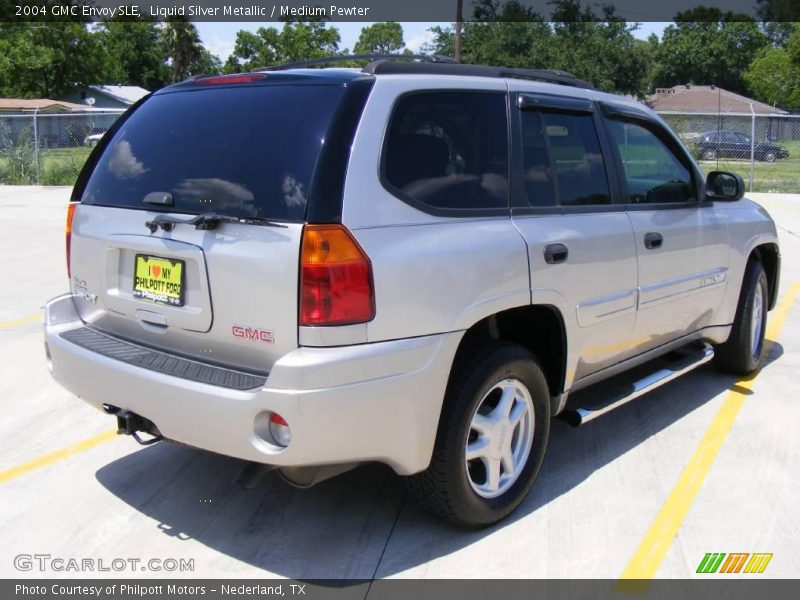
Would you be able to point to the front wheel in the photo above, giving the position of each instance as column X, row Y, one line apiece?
column 492, row 437
column 743, row 353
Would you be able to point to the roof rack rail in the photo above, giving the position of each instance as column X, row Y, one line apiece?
column 326, row 60
column 383, row 67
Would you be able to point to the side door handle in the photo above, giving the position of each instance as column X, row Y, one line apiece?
column 555, row 253
column 653, row 240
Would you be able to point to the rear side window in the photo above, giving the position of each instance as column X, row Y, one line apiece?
column 245, row 152
column 449, row 150
column 653, row 173
column 580, row 172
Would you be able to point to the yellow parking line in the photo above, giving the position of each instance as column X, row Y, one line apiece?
column 53, row 457
column 647, row 558
column 21, row 321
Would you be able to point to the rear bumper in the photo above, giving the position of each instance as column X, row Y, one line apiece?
column 370, row 402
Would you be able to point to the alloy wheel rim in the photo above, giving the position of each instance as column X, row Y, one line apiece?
column 757, row 321
column 500, row 438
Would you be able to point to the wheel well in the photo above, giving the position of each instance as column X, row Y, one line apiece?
column 769, row 257
column 539, row 329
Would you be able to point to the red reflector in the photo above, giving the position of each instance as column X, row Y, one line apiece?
column 335, row 278
column 223, row 79
column 277, row 419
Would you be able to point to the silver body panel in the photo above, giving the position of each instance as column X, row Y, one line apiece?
column 236, row 275
column 374, row 391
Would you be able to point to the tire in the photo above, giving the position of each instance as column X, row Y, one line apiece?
column 709, row 154
column 743, row 353
column 459, row 490
column 770, row 156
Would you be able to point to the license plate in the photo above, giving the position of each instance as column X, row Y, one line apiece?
column 158, row 279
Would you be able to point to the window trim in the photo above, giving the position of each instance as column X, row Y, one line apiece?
column 435, row 210
column 612, row 112
column 553, row 104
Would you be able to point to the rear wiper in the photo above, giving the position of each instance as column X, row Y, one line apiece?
column 206, row 221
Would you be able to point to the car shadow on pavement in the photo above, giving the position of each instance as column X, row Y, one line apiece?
column 360, row 525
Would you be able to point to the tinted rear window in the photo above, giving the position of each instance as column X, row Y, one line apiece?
column 247, row 151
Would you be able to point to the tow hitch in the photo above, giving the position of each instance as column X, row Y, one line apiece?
column 129, row 423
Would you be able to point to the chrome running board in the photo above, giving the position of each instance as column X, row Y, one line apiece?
column 686, row 359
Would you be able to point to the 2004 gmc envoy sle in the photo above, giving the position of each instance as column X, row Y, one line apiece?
column 417, row 263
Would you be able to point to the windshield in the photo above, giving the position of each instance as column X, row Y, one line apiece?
column 243, row 151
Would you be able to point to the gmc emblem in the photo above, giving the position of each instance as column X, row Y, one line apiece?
column 253, row 333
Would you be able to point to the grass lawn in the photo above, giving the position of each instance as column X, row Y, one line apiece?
column 780, row 176
column 59, row 166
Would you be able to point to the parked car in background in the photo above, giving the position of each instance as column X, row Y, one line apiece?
column 732, row 144
column 94, row 137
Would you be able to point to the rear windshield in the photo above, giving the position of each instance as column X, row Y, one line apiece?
column 245, row 152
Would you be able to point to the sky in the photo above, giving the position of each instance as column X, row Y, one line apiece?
column 220, row 38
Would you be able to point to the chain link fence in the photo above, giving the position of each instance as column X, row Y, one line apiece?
column 763, row 149
column 49, row 148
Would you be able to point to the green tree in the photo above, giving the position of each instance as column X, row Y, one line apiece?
column 779, row 10
column 137, row 54
column 183, row 48
column 380, row 38
column 44, row 59
column 707, row 46
column 774, row 76
column 600, row 49
column 295, row 41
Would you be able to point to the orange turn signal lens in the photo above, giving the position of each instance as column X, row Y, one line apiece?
column 336, row 285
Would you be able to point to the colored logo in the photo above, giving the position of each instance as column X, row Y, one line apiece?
column 253, row 333
column 735, row 562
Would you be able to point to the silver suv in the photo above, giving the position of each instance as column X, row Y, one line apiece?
column 417, row 263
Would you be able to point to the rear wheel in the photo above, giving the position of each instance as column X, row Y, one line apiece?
column 491, row 440
column 743, row 353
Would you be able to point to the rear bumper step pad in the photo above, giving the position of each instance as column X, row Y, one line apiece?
column 162, row 362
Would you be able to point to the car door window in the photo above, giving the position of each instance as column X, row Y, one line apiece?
column 449, row 150
column 537, row 170
column 653, row 173
column 576, row 158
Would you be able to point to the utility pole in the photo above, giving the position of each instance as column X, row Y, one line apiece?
column 459, row 4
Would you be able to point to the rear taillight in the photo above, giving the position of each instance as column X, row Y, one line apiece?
column 70, row 215
column 335, row 278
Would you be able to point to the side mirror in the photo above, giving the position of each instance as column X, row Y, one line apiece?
column 723, row 186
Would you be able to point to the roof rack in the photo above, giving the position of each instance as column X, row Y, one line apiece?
column 424, row 64
column 384, row 67
column 326, row 60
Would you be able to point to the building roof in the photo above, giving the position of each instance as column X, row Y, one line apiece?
column 31, row 104
column 706, row 99
column 123, row 93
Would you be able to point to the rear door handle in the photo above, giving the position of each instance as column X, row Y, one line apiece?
column 555, row 253
column 653, row 240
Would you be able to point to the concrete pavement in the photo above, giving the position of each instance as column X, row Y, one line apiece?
column 601, row 488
